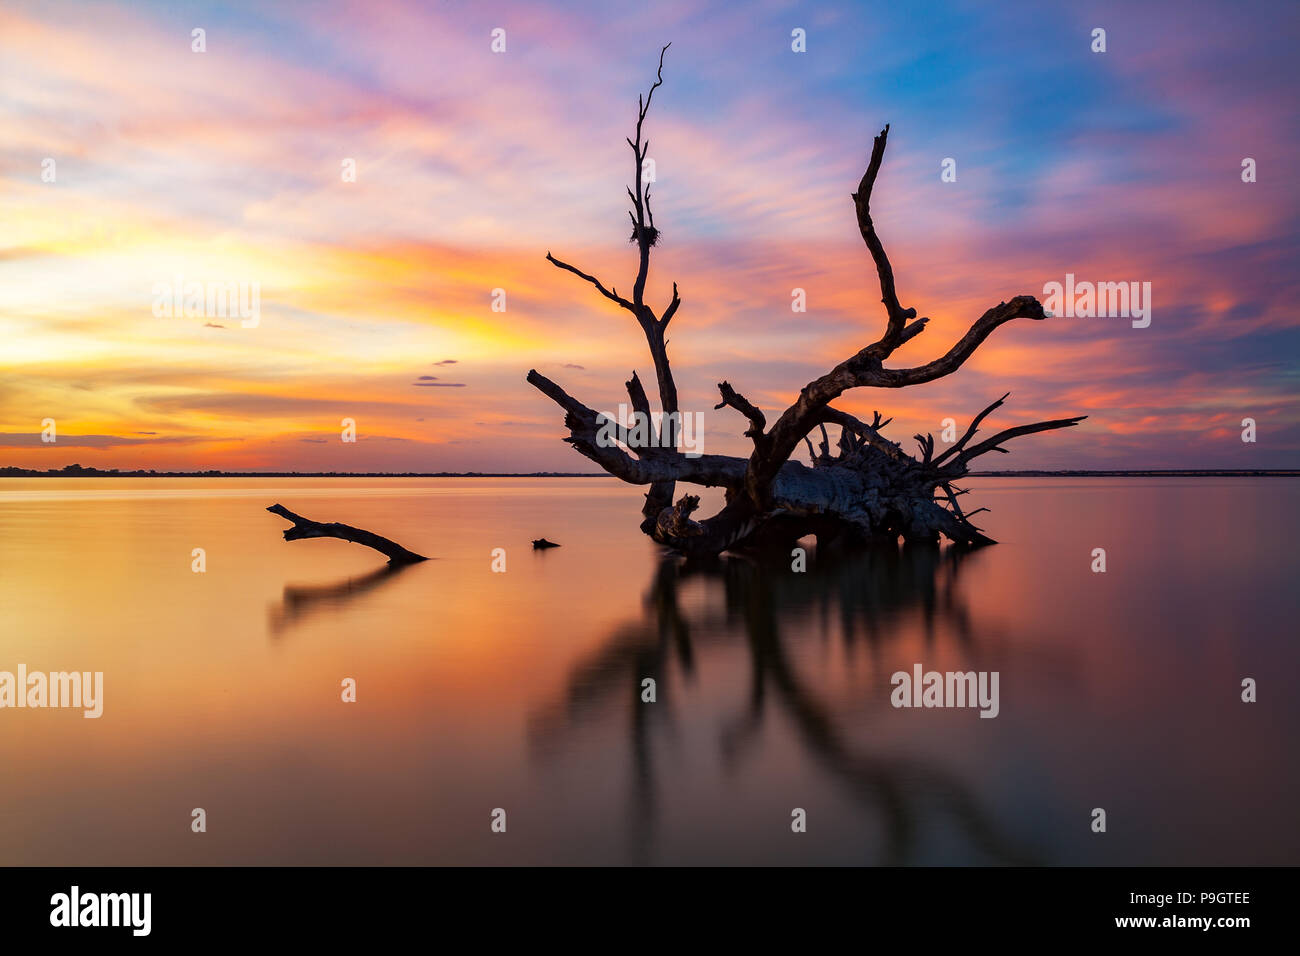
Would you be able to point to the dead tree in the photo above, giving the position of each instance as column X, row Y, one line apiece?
column 306, row 528
column 868, row 488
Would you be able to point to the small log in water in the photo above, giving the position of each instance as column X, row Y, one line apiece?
column 306, row 528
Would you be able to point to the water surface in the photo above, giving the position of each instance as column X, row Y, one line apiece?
column 521, row 690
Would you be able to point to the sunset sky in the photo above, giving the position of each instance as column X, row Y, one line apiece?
column 376, row 295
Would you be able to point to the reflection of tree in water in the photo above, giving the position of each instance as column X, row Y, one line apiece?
column 303, row 600
column 868, row 591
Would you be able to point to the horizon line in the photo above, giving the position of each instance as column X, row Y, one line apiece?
column 79, row 471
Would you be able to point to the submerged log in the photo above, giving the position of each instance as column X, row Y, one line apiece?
column 870, row 489
column 306, row 528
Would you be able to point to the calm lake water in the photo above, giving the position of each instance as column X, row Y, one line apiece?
column 521, row 690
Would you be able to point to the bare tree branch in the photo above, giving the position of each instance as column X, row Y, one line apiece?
column 758, row 421
column 643, row 231
column 992, row 444
column 893, row 336
column 970, row 432
column 667, row 465
column 612, row 296
column 671, row 310
column 1021, row 307
column 869, row 433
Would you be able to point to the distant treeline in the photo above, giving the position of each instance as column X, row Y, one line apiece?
column 80, row 471
column 1149, row 473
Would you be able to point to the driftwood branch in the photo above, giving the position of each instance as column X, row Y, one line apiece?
column 612, row 295
column 306, row 528
column 864, row 369
column 991, row 444
column 868, row 433
column 897, row 315
column 970, row 432
column 648, row 466
column 757, row 420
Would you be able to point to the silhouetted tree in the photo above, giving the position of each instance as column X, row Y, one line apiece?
column 867, row 488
